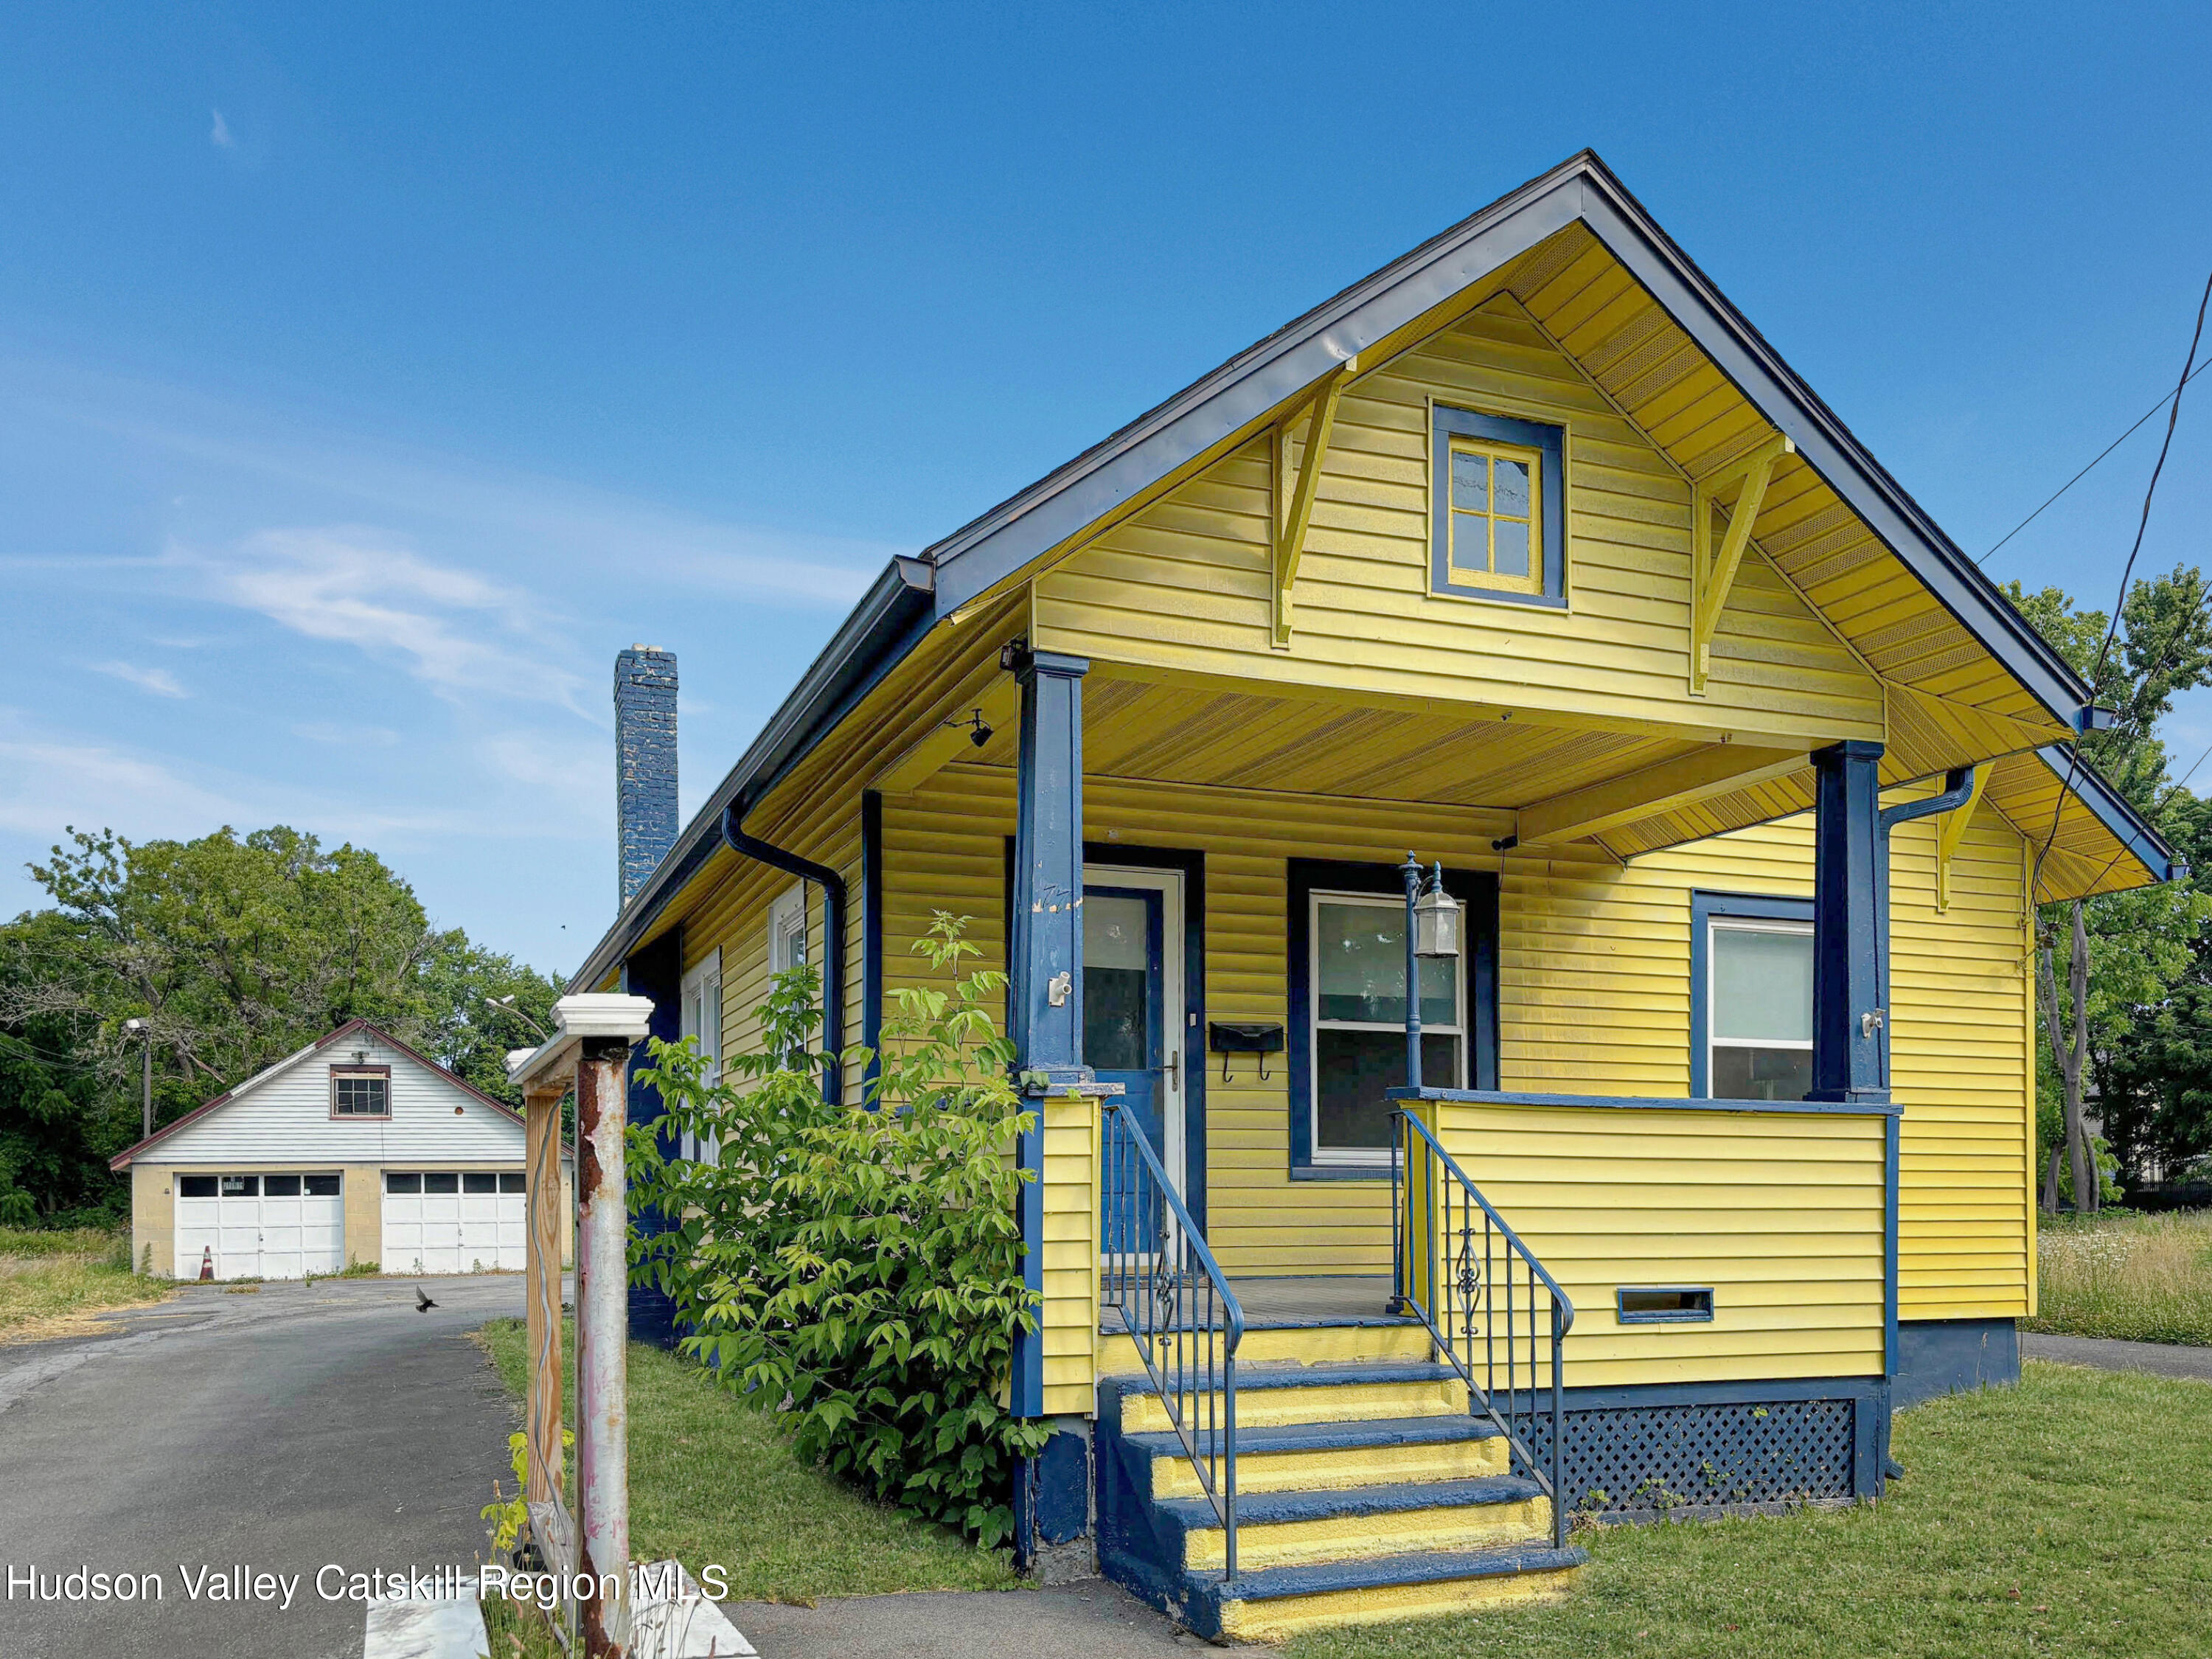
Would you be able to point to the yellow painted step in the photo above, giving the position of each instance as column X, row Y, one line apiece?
column 1350, row 1537
column 1334, row 1468
column 1319, row 1402
column 1280, row 1617
column 1291, row 1345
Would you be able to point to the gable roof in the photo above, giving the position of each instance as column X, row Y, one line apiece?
column 123, row 1159
column 1579, row 199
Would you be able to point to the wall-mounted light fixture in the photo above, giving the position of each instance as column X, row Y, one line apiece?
column 979, row 732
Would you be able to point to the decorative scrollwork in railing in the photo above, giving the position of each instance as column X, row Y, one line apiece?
column 1498, row 1318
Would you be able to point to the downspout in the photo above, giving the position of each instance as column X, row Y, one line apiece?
column 833, row 930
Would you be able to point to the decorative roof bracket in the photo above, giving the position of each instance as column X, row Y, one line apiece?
column 1711, row 575
column 1290, row 531
column 1952, row 831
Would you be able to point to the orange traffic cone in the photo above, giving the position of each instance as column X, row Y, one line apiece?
column 207, row 1264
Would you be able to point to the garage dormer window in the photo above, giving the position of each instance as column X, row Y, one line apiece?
column 1499, row 508
column 361, row 1091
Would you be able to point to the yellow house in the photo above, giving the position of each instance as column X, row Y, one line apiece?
column 1738, row 783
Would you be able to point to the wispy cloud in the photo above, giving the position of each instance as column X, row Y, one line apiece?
column 461, row 633
column 49, row 780
column 220, row 135
column 330, row 731
column 160, row 681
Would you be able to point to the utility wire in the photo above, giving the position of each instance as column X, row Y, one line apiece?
column 2073, row 753
column 2102, row 453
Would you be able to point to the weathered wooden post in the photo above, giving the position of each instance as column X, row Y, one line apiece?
column 591, row 1046
column 542, row 1288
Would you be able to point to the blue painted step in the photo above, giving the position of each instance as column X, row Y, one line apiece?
column 1382, row 1571
column 1357, row 1435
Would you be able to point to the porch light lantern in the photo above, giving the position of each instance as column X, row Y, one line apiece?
column 1437, row 917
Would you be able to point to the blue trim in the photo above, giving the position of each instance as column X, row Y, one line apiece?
column 1641, row 1104
column 833, row 934
column 1551, row 442
column 2113, row 812
column 1945, row 1356
column 1703, row 907
column 1191, row 863
column 655, row 972
column 1045, row 945
column 872, row 933
column 1475, row 889
column 1847, row 1050
column 1697, row 1313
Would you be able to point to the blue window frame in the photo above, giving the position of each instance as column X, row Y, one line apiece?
column 1475, row 1041
column 1772, row 938
column 1498, row 509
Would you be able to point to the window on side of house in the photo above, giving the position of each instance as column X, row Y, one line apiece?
column 1758, row 1001
column 702, row 1008
column 1499, row 508
column 361, row 1091
column 786, row 931
column 1358, row 1023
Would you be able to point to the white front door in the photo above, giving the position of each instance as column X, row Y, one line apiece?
column 1132, row 970
column 256, row 1226
column 454, row 1221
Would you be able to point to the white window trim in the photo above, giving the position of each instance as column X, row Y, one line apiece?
column 1378, row 1156
column 704, row 979
column 1714, row 925
column 785, row 917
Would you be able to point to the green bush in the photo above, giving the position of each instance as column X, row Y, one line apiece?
column 860, row 1267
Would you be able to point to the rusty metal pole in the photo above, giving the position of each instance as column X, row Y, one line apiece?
column 542, row 1290
column 602, row 1333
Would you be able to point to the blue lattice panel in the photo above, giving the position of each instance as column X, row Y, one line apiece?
column 1661, row 1458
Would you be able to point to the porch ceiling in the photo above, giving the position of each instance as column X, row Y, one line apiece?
column 1240, row 740
column 1204, row 734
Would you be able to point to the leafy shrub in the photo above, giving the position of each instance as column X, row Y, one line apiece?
column 860, row 1267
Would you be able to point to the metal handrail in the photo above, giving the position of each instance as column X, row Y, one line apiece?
column 1472, row 1280
column 1175, row 1304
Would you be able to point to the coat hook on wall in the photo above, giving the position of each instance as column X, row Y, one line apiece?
column 1226, row 1039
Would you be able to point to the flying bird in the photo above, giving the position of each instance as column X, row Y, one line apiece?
column 422, row 1303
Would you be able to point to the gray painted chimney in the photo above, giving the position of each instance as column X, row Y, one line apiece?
column 644, row 761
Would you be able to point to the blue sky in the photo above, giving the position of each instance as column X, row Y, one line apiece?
column 368, row 377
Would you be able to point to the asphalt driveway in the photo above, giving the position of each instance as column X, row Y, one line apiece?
column 280, row 1430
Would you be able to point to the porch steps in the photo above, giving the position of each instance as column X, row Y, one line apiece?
column 1365, row 1491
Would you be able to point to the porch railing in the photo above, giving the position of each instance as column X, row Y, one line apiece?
column 1157, row 1275
column 1491, row 1307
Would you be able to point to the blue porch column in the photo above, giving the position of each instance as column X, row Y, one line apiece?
column 1044, row 959
column 1848, row 1017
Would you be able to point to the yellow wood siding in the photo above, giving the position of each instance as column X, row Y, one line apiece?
column 1593, row 992
column 1781, row 1215
column 1186, row 584
column 1070, row 1316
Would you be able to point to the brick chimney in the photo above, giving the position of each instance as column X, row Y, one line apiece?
column 645, row 762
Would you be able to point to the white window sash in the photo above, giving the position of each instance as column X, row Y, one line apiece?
column 1378, row 1156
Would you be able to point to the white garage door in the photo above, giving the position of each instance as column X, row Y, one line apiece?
column 260, row 1226
column 447, row 1221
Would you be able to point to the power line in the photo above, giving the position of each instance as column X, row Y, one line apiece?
column 2127, row 572
column 2102, row 453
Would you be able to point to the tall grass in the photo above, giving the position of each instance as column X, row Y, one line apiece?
column 50, row 1282
column 2137, row 1278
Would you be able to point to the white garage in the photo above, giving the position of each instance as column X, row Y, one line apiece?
column 454, row 1221
column 258, row 1226
column 355, row 1153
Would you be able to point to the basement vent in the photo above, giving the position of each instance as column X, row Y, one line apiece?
column 1664, row 1304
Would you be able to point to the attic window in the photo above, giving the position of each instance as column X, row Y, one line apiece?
column 1499, row 508
column 361, row 1091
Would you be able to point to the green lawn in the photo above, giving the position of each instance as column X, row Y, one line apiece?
column 712, row 1478
column 2139, row 1278
column 2072, row 1515
column 52, row 1282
